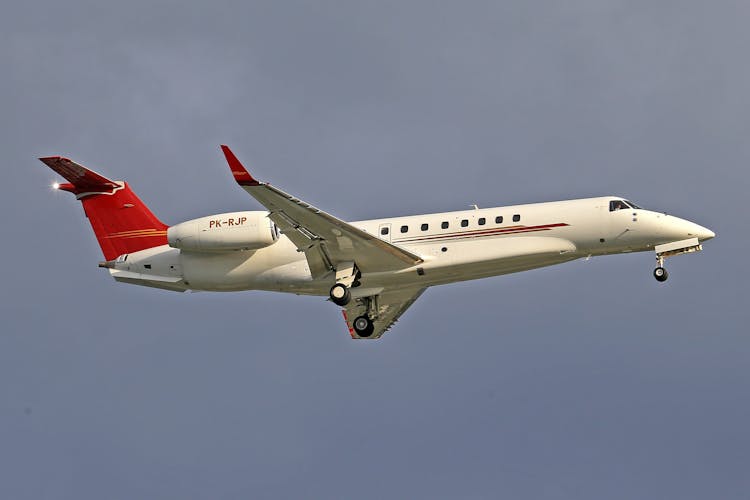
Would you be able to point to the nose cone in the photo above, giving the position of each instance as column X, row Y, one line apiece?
column 694, row 230
column 703, row 233
column 678, row 228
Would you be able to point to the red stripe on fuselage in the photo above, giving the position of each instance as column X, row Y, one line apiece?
column 481, row 232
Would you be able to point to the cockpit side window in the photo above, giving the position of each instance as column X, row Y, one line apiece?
column 615, row 205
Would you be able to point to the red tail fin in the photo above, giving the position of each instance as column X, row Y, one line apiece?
column 121, row 221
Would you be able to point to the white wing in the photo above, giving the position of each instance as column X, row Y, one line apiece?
column 389, row 306
column 325, row 239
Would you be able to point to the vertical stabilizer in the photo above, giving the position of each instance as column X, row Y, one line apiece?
column 121, row 222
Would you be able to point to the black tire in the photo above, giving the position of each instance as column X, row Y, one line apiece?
column 340, row 295
column 661, row 274
column 363, row 326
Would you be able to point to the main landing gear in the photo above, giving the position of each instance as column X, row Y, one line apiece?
column 340, row 294
column 347, row 276
column 363, row 325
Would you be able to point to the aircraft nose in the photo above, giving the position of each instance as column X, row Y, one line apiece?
column 697, row 231
column 704, row 233
column 681, row 228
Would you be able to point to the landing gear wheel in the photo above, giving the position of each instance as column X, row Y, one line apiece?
column 363, row 326
column 661, row 274
column 340, row 295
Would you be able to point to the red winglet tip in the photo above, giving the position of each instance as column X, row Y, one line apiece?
column 240, row 173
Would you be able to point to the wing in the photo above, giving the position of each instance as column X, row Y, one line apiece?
column 325, row 239
column 389, row 304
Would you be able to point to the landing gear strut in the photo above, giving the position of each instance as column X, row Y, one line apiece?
column 364, row 325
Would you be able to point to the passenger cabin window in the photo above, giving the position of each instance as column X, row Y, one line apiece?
column 516, row 218
column 404, row 229
column 425, row 227
column 464, row 222
column 482, row 221
column 499, row 219
column 444, row 225
column 384, row 231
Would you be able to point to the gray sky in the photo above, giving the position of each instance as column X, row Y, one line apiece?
column 585, row 381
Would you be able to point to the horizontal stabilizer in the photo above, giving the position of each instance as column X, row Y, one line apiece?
column 81, row 179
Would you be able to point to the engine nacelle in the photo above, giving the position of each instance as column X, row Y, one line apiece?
column 223, row 232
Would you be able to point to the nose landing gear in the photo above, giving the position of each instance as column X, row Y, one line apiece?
column 670, row 250
column 660, row 273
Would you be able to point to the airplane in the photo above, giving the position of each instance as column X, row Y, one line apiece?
column 373, row 269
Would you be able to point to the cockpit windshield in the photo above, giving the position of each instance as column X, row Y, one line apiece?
column 622, row 205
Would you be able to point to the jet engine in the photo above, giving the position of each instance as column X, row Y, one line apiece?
column 223, row 232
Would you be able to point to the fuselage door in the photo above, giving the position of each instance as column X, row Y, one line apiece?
column 384, row 232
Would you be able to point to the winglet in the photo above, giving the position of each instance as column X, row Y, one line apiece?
column 240, row 173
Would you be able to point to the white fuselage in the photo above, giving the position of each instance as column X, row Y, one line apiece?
column 454, row 246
